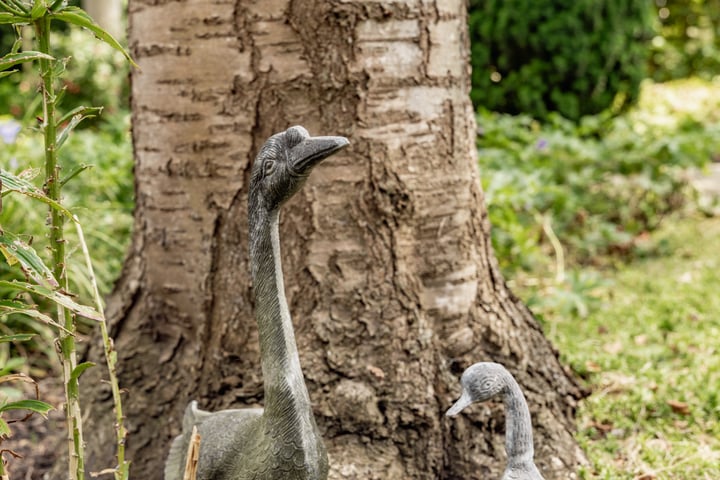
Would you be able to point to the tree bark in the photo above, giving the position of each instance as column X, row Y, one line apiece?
column 390, row 275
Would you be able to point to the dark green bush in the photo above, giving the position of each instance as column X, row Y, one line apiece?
column 689, row 40
column 575, row 57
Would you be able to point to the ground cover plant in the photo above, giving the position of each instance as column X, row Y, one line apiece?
column 626, row 290
column 649, row 353
column 562, row 194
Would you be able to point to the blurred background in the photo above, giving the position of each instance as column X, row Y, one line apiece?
column 599, row 151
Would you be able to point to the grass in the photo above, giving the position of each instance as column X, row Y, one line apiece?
column 649, row 352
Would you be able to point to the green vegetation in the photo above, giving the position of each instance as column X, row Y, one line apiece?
column 688, row 43
column 40, row 293
column 575, row 57
column 563, row 193
column 102, row 197
column 594, row 221
column 649, row 353
column 596, row 227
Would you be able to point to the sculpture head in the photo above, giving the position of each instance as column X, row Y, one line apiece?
column 479, row 382
column 284, row 163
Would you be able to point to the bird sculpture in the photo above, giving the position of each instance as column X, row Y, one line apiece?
column 485, row 380
column 282, row 440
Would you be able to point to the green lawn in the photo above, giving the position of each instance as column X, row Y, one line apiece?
column 649, row 351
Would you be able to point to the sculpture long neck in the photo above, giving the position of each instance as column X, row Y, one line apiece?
column 286, row 397
column 518, row 427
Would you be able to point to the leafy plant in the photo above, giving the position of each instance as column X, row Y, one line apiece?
column 28, row 405
column 601, row 184
column 575, row 57
column 52, row 284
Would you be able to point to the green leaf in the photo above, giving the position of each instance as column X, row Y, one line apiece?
column 19, row 5
column 13, row 183
column 12, row 59
column 4, row 429
column 75, row 375
column 11, row 18
column 77, row 170
column 33, row 405
column 80, row 114
column 18, row 337
column 55, row 296
column 17, row 44
column 7, row 74
column 58, row 4
column 17, row 251
column 16, row 7
column 8, row 307
column 11, row 365
column 81, row 110
column 38, row 10
column 78, row 16
column 79, row 369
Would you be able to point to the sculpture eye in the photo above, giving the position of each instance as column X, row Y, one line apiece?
column 269, row 167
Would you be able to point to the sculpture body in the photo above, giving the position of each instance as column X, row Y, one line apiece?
column 280, row 441
column 483, row 381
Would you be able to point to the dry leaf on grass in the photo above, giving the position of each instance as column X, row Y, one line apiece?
column 681, row 408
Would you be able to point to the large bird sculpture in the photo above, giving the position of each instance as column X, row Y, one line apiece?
column 281, row 441
column 485, row 380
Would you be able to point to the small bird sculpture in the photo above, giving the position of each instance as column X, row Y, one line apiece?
column 281, row 441
column 485, row 380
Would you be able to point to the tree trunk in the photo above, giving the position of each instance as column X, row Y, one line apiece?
column 390, row 276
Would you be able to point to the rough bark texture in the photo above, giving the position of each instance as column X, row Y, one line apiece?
column 389, row 272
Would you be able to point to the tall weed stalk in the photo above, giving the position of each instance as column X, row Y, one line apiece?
column 51, row 283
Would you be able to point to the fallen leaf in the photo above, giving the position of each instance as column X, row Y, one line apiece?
column 592, row 366
column 645, row 476
column 681, row 408
column 685, row 277
column 613, row 348
column 604, row 426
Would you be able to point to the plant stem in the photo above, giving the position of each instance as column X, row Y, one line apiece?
column 123, row 468
column 68, row 354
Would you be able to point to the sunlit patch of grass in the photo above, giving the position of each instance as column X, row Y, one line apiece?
column 650, row 355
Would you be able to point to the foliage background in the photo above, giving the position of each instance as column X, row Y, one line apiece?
column 575, row 57
column 688, row 40
column 583, row 156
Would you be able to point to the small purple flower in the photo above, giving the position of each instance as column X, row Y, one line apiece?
column 541, row 144
column 9, row 131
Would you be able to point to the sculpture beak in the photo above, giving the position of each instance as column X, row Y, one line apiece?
column 311, row 151
column 462, row 402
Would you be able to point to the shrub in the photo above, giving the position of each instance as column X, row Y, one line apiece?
column 597, row 186
column 102, row 198
column 96, row 74
column 575, row 57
